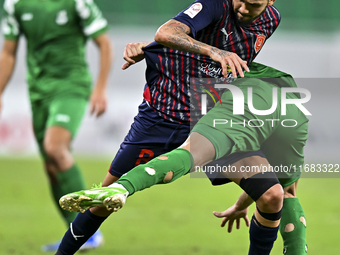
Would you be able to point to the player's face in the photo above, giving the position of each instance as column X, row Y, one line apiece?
column 247, row 11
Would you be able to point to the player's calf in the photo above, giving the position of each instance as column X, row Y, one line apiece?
column 293, row 223
column 265, row 190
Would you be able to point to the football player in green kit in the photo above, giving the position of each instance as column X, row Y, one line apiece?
column 211, row 139
column 59, row 82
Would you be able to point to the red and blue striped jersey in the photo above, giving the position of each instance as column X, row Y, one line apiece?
column 170, row 73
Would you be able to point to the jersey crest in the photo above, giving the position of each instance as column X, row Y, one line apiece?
column 62, row 18
column 27, row 16
column 259, row 42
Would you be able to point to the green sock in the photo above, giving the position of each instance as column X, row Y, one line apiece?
column 68, row 181
column 293, row 227
column 179, row 161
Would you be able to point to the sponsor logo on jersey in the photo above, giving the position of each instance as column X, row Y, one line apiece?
column 194, row 10
column 27, row 16
column 259, row 42
column 63, row 118
column 226, row 34
column 216, row 72
column 62, row 18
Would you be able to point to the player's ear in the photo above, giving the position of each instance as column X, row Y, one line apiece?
column 271, row 2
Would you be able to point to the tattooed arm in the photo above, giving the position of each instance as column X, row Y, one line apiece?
column 176, row 35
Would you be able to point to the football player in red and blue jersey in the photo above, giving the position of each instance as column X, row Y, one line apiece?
column 210, row 39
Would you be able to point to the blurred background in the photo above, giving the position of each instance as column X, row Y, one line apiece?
column 306, row 45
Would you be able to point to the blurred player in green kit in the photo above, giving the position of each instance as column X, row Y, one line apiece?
column 60, row 85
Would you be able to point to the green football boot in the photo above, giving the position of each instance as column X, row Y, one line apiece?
column 113, row 198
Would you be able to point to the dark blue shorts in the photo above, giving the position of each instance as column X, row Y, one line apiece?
column 151, row 135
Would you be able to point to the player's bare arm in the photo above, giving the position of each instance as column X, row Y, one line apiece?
column 236, row 212
column 133, row 53
column 98, row 101
column 176, row 35
column 7, row 63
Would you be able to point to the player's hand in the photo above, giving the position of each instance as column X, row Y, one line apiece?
column 133, row 53
column 98, row 102
column 226, row 58
column 233, row 214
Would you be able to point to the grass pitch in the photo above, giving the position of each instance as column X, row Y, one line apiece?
column 166, row 219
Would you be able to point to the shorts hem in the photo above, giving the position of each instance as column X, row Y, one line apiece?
column 216, row 137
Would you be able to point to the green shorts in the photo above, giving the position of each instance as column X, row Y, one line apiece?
column 66, row 111
column 280, row 137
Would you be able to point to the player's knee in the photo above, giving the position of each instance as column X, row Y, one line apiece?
column 272, row 199
column 262, row 186
column 51, row 149
column 55, row 151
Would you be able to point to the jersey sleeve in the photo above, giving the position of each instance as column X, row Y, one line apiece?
column 9, row 25
column 201, row 14
column 274, row 20
column 93, row 22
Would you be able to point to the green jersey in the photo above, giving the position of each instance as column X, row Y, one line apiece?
column 56, row 33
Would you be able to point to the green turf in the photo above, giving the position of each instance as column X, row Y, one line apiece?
column 169, row 219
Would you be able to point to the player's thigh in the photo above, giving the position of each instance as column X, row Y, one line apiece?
column 146, row 139
column 60, row 111
column 67, row 111
column 57, row 137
